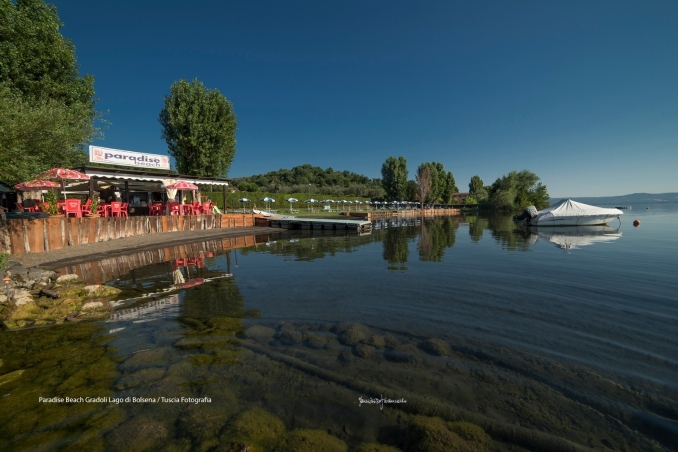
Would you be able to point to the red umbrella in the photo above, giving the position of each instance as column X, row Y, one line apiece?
column 182, row 185
column 63, row 174
column 36, row 184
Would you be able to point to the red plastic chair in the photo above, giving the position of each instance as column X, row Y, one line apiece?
column 86, row 207
column 174, row 208
column 196, row 208
column 116, row 209
column 155, row 209
column 123, row 209
column 73, row 207
column 207, row 208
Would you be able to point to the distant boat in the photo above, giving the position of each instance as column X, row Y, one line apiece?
column 568, row 213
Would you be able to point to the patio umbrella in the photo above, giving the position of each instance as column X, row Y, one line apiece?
column 36, row 185
column 267, row 200
column 243, row 201
column 182, row 185
column 63, row 174
column 310, row 202
column 292, row 200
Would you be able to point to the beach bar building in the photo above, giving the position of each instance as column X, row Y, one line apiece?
column 137, row 187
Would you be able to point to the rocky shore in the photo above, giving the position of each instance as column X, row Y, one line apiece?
column 35, row 297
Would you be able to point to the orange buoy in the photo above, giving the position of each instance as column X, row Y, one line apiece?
column 636, row 223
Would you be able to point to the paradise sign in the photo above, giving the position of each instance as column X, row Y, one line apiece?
column 128, row 158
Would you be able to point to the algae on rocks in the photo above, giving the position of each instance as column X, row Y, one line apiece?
column 74, row 301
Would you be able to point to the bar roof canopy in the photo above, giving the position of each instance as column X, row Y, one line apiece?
column 135, row 175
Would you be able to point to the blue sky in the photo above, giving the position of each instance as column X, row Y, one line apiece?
column 583, row 93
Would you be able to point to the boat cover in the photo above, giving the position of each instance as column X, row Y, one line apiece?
column 568, row 208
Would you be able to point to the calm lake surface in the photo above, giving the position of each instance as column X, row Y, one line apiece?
column 550, row 339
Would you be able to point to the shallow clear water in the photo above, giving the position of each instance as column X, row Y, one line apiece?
column 571, row 335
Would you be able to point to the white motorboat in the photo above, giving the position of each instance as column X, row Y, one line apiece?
column 569, row 213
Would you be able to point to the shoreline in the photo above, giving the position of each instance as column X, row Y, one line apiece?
column 50, row 260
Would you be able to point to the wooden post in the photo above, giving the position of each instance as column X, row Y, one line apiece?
column 127, row 191
column 91, row 187
column 225, row 191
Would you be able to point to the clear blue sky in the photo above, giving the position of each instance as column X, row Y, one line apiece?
column 583, row 93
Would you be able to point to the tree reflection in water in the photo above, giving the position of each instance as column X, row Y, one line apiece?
column 436, row 236
column 505, row 232
column 396, row 251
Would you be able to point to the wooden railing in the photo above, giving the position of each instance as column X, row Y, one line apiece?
column 47, row 234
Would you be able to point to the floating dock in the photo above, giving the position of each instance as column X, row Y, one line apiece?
column 360, row 226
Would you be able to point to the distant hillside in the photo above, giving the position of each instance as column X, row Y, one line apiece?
column 626, row 200
column 312, row 179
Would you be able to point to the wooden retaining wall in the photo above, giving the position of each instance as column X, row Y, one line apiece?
column 53, row 233
column 99, row 272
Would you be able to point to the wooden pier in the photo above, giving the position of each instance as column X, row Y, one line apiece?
column 360, row 226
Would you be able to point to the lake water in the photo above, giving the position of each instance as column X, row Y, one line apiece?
column 554, row 339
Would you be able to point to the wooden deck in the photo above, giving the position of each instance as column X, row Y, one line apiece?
column 360, row 226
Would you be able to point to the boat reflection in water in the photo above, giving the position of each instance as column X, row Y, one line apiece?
column 573, row 237
column 161, row 308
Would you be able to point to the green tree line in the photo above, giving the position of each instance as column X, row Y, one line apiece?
column 434, row 185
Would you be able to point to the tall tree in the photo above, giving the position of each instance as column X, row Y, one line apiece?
column 475, row 185
column 438, row 181
column 394, row 177
column 411, row 190
column 477, row 191
column 518, row 189
column 47, row 110
column 199, row 126
column 450, row 188
column 423, row 182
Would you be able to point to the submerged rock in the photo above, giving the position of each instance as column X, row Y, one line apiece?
column 432, row 434
column 406, row 353
column 376, row 341
column 256, row 429
column 139, row 435
column 259, row 333
column 311, row 441
column 391, row 341
column 285, row 327
column 363, row 350
column 289, row 337
column 354, row 334
column 376, row 447
column 436, row 347
column 472, row 434
column 315, row 340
